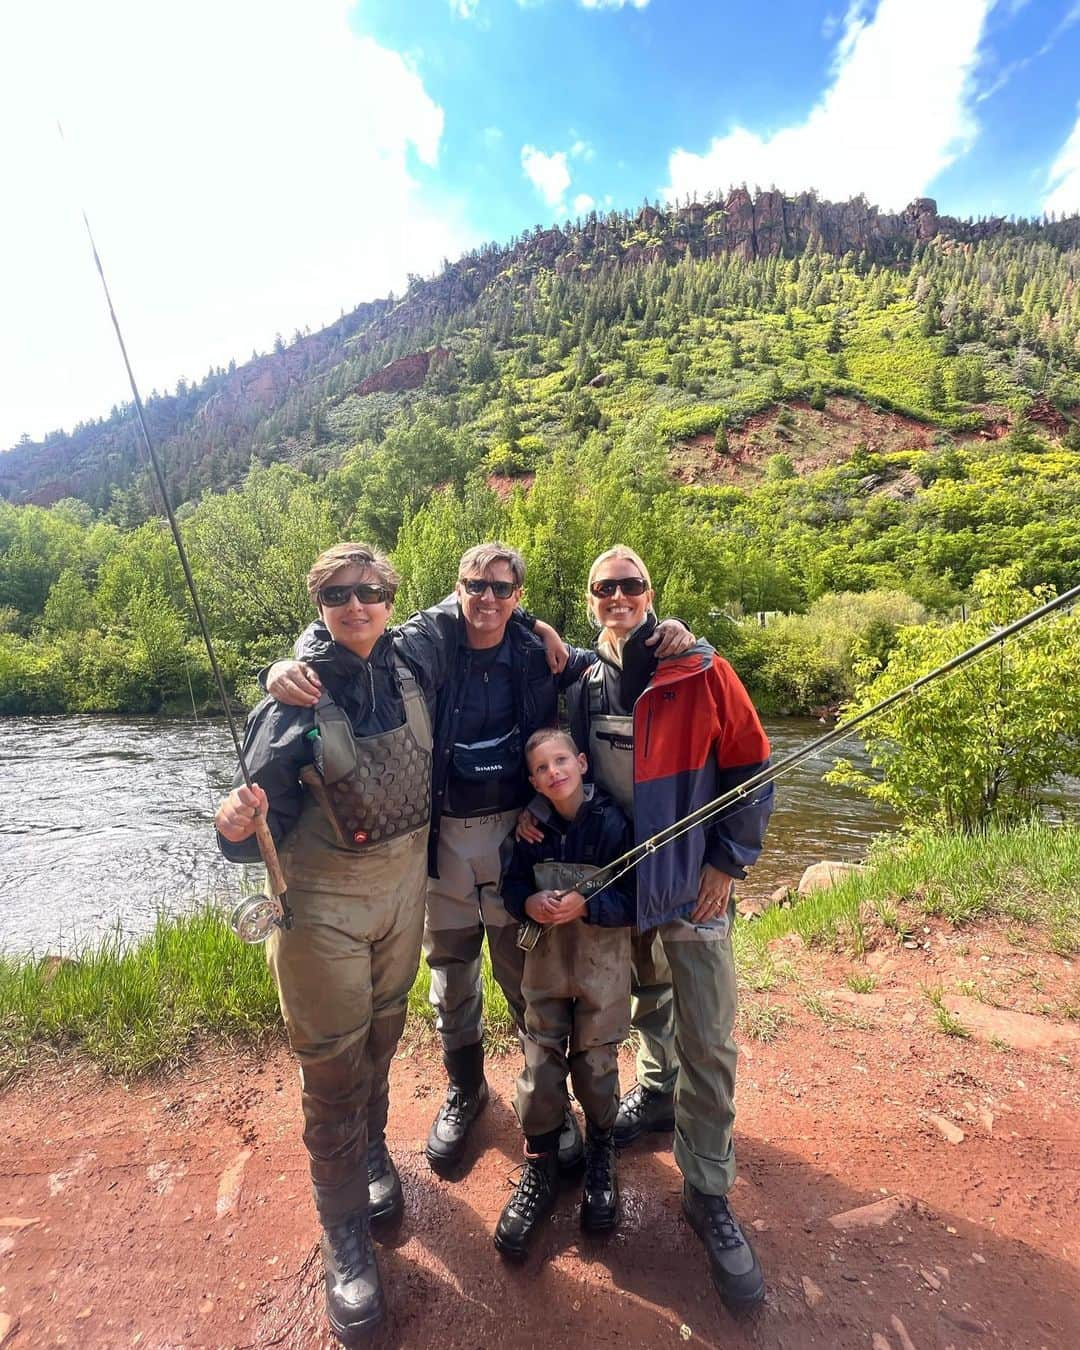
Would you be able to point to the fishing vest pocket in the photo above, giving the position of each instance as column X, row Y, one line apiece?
column 371, row 789
column 611, row 748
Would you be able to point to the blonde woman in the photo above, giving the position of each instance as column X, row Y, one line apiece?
column 664, row 737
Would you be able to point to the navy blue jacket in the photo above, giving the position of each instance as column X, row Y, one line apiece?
column 598, row 834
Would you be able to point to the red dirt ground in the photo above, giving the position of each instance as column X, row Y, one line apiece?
column 177, row 1213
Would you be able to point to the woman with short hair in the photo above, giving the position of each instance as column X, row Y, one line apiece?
column 346, row 789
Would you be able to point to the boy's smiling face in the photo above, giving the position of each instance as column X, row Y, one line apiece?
column 555, row 771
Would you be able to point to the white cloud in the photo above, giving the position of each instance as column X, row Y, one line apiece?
column 549, row 174
column 613, row 4
column 583, row 204
column 464, row 9
column 1063, row 180
column 582, row 150
column 247, row 170
column 896, row 113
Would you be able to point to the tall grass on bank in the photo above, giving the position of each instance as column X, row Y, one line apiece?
column 1028, row 875
column 136, row 1008
column 142, row 1006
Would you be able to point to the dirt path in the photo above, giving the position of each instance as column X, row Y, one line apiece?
column 177, row 1213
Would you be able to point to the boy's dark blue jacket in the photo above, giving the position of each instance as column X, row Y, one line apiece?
column 598, row 834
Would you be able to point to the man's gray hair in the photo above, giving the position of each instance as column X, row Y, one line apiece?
column 475, row 561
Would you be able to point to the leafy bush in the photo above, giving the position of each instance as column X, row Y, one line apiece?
column 980, row 746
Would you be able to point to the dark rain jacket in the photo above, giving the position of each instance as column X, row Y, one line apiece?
column 597, row 835
column 696, row 735
column 277, row 742
column 442, row 628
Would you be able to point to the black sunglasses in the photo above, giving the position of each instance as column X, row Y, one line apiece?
column 333, row 597
column 604, row 590
column 501, row 590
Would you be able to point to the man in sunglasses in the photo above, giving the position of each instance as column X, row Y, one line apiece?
column 502, row 690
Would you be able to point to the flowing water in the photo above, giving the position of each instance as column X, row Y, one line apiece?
column 106, row 821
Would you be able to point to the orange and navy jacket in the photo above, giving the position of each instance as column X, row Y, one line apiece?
column 696, row 736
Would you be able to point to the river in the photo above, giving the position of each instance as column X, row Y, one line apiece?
column 105, row 822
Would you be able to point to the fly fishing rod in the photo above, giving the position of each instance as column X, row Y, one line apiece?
column 530, row 932
column 256, row 916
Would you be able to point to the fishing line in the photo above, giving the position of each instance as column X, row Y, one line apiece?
column 255, row 918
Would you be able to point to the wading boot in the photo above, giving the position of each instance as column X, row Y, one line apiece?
column 386, row 1202
column 733, row 1266
column 354, row 1297
column 600, row 1194
column 465, row 1099
column 643, row 1111
column 571, row 1146
column 532, row 1201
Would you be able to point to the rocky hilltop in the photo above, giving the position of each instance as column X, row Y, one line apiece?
column 276, row 400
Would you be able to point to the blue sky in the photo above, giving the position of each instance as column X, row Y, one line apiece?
column 254, row 166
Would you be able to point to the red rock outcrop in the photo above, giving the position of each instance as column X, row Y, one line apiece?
column 407, row 372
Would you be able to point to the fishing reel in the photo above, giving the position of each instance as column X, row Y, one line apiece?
column 256, row 917
column 529, row 934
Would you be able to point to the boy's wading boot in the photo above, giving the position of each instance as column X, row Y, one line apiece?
column 533, row 1200
column 732, row 1264
column 354, row 1297
column 386, row 1201
column 465, row 1099
column 571, row 1146
column 600, row 1194
column 643, row 1111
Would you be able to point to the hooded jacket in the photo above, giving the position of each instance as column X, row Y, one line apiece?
column 696, row 735
column 436, row 638
column 597, row 835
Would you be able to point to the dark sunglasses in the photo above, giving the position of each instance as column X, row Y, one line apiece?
column 501, row 590
column 604, row 590
column 333, row 597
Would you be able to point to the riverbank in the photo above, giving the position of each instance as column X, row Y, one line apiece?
column 151, row 1005
column 904, row 1187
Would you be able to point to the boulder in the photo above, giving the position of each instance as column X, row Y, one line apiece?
column 822, row 876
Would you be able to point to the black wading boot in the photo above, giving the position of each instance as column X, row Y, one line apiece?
column 354, row 1297
column 643, row 1111
column 733, row 1266
column 571, row 1146
column 532, row 1201
column 465, row 1099
column 386, row 1202
column 600, row 1194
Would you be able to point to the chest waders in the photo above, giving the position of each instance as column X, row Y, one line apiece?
column 363, row 791
column 611, row 744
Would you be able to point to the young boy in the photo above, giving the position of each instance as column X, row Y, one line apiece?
column 576, row 986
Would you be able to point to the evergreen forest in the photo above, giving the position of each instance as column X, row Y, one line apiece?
column 817, row 443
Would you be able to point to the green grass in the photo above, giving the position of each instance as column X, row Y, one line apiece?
column 140, row 1007
column 1027, row 878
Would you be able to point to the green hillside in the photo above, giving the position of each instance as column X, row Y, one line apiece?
column 845, row 435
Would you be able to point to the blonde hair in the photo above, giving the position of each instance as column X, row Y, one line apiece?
column 350, row 555
column 616, row 551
